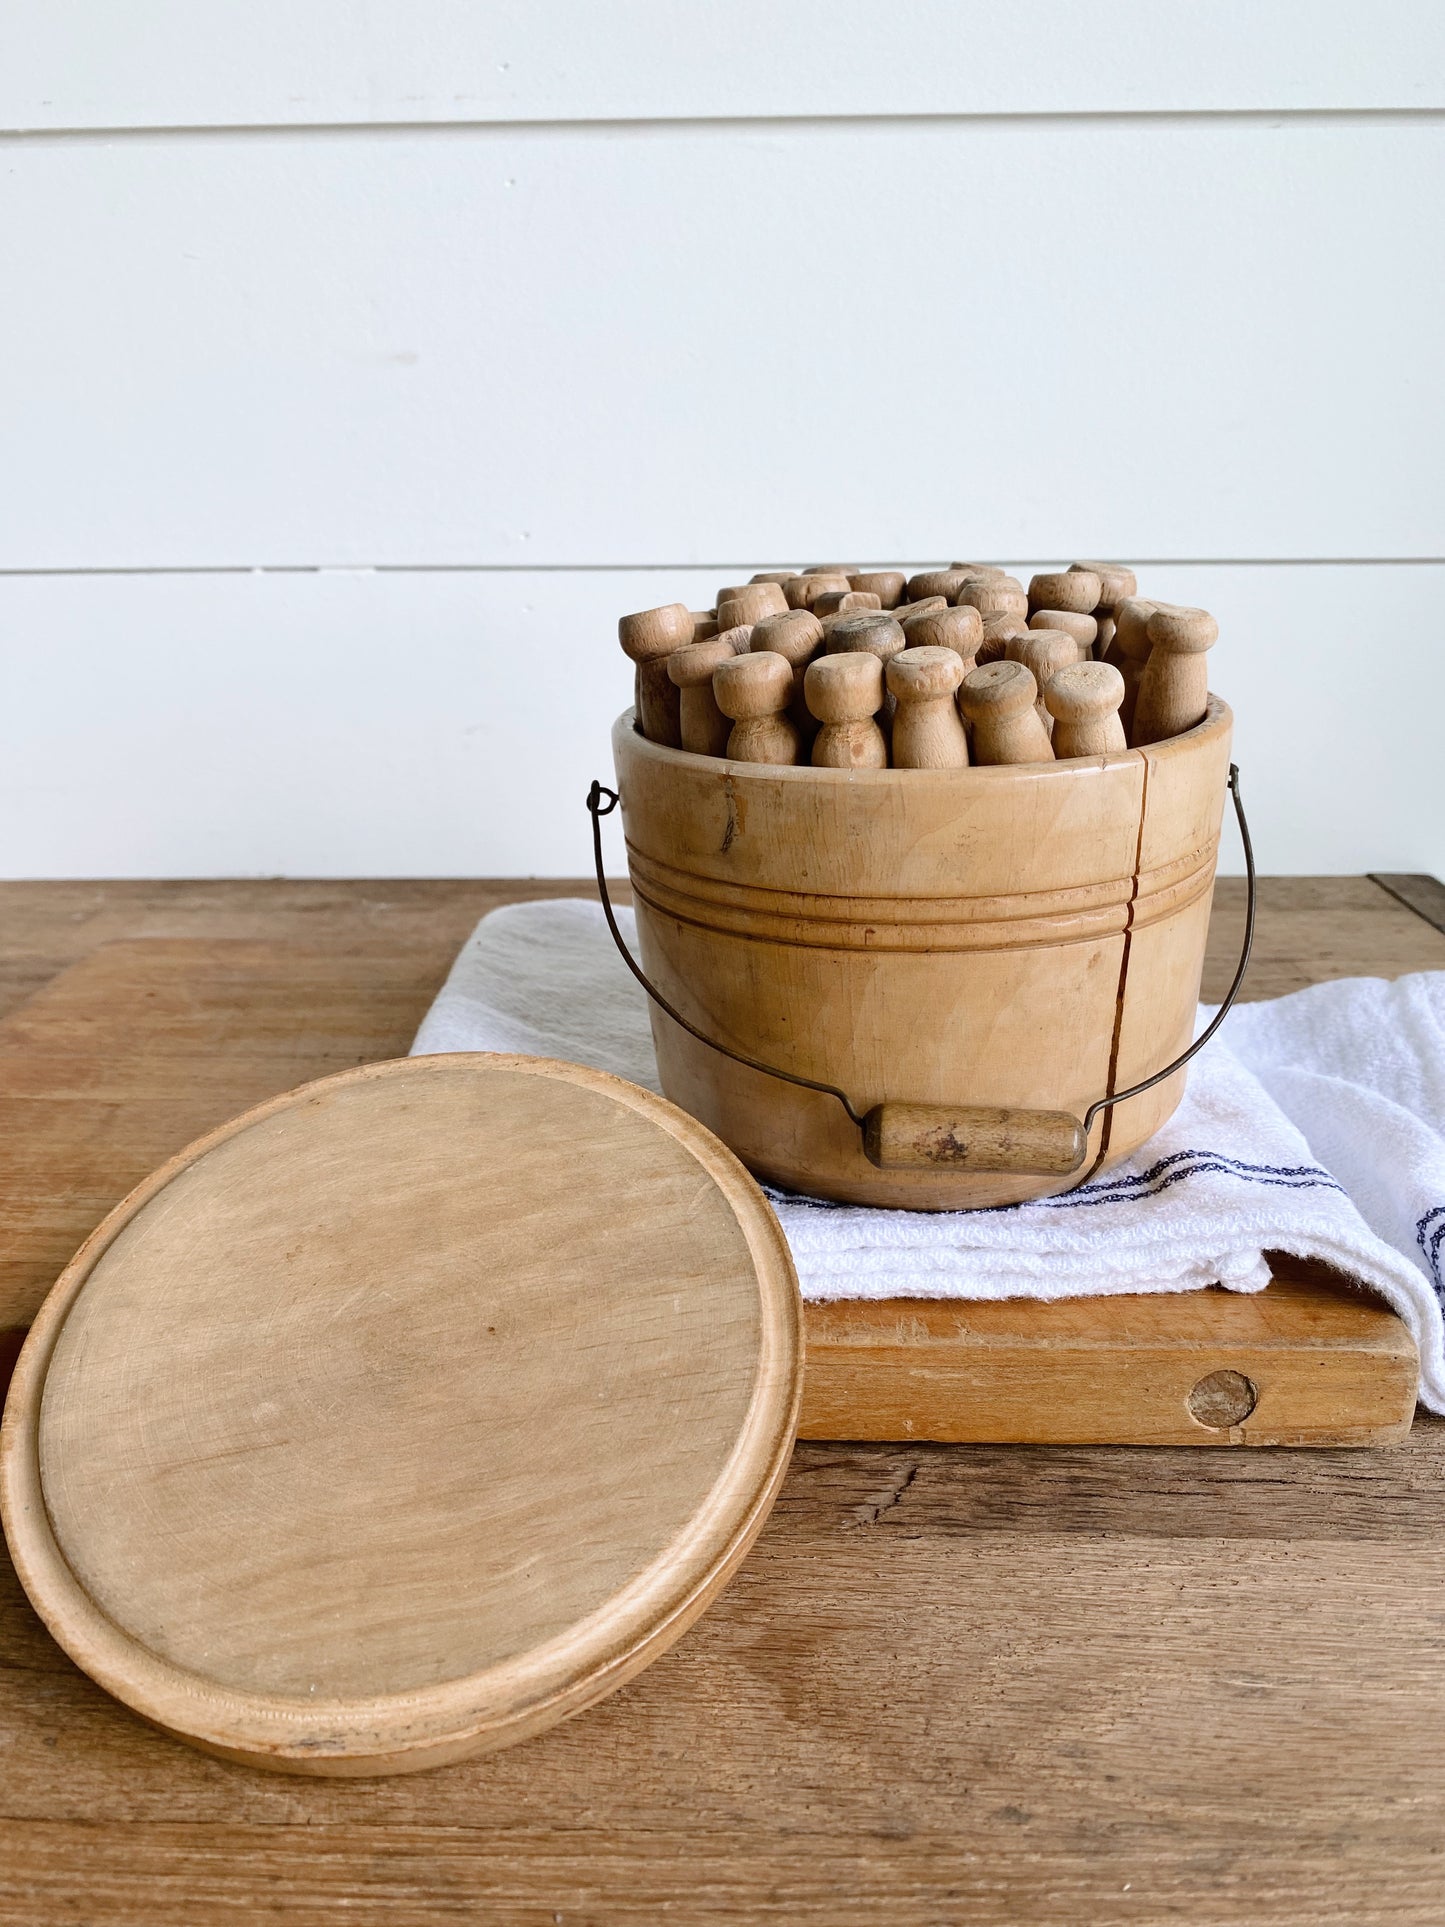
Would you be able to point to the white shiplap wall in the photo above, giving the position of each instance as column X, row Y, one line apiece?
column 361, row 363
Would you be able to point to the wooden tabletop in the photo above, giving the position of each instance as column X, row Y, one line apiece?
column 950, row 1684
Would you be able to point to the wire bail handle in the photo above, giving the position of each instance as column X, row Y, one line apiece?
column 907, row 1136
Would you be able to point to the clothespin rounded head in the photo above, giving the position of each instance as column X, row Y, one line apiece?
column 695, row 662
column 998, row 689
column 924, row 674
column 1082, row 690
column 844, row 688
column 655, row 632
column 757, row 684
column 879, row 634
column 1183, row 632
column 796, row 635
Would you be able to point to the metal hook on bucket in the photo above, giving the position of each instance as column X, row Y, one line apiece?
column 899, row 1136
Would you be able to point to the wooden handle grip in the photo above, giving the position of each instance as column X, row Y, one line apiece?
column 912, row 1137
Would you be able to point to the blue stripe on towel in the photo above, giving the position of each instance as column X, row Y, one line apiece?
column 1192, row 1164
column 1430, row 1235
column 1239, row 1167
column 1136, row 1185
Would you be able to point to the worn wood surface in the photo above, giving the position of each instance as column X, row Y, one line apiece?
column 1424, row 895
column 1311, row 928
column 353, row 1443
column 46, row 926
column 1317, row 1364
column 950, row 1684
column 138, row 1049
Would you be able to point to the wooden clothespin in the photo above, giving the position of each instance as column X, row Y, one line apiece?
column 649, row 638
column 877, row 631
column 844, row 693
column 845, row 602
column 1075, row 589
column 704, row 728
column 995, row 594
column 1043, row 652
column 927, row 733
column 931, row 582
column 1174, row 689
column 999, row 629
column 1083, row 698
column 754, row 691
column 750, row 602
column 879, row 635
column 803, row 591
column 887, row 584
column 797, row 636
column 999, row 701
column 1115, row 582
column 1129, row 651
column 959, row 629
column 655, row 632
column 1082, row 628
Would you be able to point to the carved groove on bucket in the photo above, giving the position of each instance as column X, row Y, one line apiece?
column 936, row 923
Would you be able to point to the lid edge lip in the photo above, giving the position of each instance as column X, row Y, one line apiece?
column 445, row 1720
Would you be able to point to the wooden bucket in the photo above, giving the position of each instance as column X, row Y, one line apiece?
column 1004, row 944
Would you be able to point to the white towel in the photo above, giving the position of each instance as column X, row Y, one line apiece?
column 1313, row 1125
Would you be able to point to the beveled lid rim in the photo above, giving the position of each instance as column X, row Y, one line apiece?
column 498, row 1704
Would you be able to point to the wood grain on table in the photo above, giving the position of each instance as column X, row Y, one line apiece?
column 950, row 1684
column 147, row 1043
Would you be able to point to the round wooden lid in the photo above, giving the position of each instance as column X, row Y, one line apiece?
column 406, row 1415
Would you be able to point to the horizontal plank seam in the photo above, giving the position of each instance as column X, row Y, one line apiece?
column 710, row 123
column 676, row 568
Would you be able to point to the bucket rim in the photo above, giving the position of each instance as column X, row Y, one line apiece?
column 1218, row 719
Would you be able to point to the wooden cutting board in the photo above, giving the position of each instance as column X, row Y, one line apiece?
column 145, row 1044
